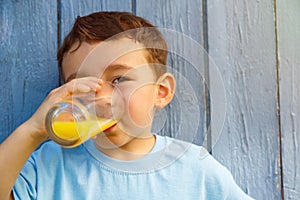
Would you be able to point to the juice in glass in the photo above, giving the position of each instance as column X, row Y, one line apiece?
column 79, row 131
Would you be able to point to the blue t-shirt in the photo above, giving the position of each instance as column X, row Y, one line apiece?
column 173, row 170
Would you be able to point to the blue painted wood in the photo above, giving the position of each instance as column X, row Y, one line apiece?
column 242, row 44
column 288, row 26
column 28, row 67
column 181, row 24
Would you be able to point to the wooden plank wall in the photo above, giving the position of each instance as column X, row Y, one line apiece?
column 253, row 47
column 288, row 66
column 28, row 66
column 242, row 44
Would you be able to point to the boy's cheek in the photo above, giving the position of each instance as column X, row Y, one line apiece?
column 140, row 108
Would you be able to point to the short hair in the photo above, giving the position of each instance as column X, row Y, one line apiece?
column 101, row 26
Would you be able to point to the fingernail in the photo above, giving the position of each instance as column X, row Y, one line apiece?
column 100, row 81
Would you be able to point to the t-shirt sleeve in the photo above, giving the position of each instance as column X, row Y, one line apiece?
column 221, row 180
column 234, row 191
column 25, row 185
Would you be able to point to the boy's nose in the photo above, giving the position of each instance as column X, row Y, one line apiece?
column 103, row 110
column 101, row 106
column 108, row 102
column 106, row 89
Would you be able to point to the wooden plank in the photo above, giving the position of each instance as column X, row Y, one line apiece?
column 69, row 10
column 242, row 44
column 181, row 24
column 288, row 26
column 28, row 66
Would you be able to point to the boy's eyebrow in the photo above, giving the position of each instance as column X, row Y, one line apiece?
column 119, row 66
column 109, row 67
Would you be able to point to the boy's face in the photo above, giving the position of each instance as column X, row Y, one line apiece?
column 127, row 77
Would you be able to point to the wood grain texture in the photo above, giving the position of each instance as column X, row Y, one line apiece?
column 181, row 24
column 242, row 44
column 288, row 26
column 28, row 67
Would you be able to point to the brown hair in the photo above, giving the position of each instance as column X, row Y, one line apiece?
column 101, row 26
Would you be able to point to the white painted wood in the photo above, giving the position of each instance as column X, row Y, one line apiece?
column 242, row 44
column 288, row 26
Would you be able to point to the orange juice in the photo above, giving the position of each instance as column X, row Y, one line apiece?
column 80, row 130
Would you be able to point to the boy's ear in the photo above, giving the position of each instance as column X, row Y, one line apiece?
column 165, row 90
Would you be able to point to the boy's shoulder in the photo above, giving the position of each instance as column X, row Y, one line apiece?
column 194, row 163
column 186, row 156
column 190, row 154
column 50, row 152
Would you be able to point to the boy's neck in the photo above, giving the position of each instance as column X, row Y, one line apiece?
column 133, row 150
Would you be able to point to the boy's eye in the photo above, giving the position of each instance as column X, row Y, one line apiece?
column 118, row 80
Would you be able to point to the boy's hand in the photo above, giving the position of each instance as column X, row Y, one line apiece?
column 17, row 148
column 80, row 85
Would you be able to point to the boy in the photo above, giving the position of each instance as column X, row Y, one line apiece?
column 121, row 55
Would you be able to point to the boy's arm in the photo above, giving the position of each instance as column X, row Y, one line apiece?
column 14, row 152
column 17, row 148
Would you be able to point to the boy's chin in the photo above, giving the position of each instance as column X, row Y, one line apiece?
column 119, row 136
column 112, row 139
column 133, row 130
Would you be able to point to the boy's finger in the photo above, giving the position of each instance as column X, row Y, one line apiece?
column 82, row 88
column 86, row 84
column 81, row 85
